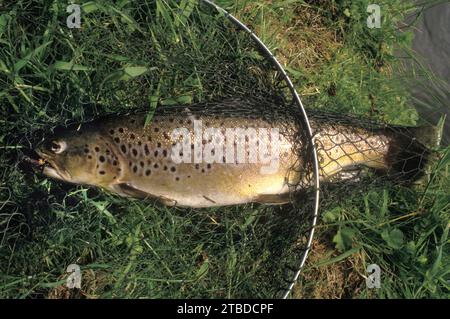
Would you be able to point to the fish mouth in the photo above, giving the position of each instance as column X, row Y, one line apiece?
column 45, row 165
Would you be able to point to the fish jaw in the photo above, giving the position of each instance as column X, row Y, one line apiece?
column 50, row 168
column 53, row 173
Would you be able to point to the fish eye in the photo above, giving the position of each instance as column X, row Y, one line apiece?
column 57, row 147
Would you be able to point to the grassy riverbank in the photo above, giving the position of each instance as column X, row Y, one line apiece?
column 156, row 54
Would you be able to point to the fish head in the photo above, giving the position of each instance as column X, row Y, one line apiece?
column 76, row 156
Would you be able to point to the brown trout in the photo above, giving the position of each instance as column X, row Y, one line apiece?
column 217, row 154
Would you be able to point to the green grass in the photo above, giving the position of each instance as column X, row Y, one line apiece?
column 157, row 53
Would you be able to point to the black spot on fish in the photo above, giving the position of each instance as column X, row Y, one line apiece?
column 147, row 151
column 111, row 132
column 86, row 150
column 97, row 149
column 171, row 120
column 208, row 166
column 156, row 153
column 177, row 179
column 173, row 169
column 156, row 129
column 102, row 158
column 165, row 168
column 159, row 144
column 135, row 168
column 189, row 176
column 165, row 153
column 156, row 166
column 123, row 148
column 89, row 156
column 130, row 163
column 120, row 129
column 203, row 170
column 142, row 164
column 108, row 152
column 139, row 143
column 132, row 136
column 197, row 166
column 114, row 163
column 102, row 172
column 135, row 152
column 117, row 140
column 148, row 172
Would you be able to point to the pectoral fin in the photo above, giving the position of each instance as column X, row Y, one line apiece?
column 128, row 190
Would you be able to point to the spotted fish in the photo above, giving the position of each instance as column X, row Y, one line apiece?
column 218, row 154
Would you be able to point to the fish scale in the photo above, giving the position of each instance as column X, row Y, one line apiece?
column 145, row 157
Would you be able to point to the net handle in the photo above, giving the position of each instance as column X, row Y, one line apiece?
column 310, row 135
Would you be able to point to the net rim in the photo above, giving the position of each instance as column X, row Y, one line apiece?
column 309, row 132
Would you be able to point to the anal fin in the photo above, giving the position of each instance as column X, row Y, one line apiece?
column 274, row 199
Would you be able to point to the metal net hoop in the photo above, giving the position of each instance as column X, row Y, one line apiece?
column 307, row 131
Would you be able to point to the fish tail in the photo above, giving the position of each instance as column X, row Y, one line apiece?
column 411, row 152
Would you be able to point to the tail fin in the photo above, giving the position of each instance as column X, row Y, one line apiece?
column 411, row 154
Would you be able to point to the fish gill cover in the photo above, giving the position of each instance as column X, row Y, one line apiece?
column 151, row 56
